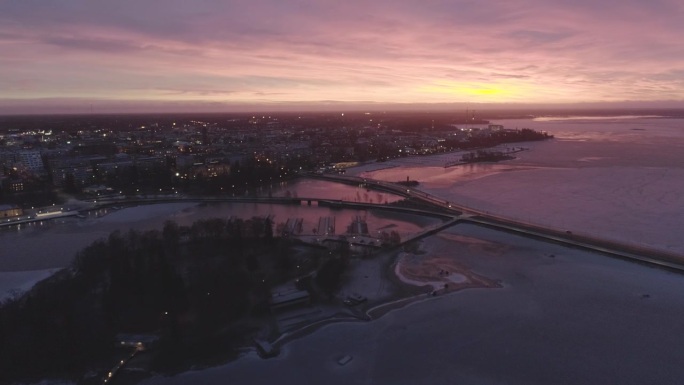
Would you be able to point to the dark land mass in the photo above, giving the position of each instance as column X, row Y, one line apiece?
column 408, row 183
column 199, row 291
column 408, row 120
column 485, row 156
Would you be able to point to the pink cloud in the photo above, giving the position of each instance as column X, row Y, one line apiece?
column 384, row 51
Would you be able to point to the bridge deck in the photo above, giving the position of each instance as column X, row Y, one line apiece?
column 661, row 258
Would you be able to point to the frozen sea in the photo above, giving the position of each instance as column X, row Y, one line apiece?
column 563, row 316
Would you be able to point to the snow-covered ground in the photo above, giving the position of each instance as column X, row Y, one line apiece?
column 14, row 283
column 563, row 316
column 620, row 179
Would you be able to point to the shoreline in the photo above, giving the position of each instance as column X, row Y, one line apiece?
column 406, row 293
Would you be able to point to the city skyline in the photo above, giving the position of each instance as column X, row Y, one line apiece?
column 78, row 56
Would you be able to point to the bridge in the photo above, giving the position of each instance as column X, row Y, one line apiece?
column 116, row 201
column 638, row 253
column 432, row 230
column 332, row 203
column 434, row 206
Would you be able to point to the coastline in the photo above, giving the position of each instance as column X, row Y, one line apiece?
column 544, row 285
column 406, row 291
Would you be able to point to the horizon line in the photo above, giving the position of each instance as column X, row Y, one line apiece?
column 25, row 107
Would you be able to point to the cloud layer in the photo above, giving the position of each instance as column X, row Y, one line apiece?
column 385, row 51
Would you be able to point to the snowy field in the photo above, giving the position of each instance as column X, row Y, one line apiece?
column 621, row 179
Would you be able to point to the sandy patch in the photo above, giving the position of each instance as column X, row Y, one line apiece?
column 476, row 244
column 442, row 272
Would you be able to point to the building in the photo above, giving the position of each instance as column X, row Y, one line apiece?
column 113, row 168
column 29, row 161
column 150, row 164
column 15, row 185
column 12, row 185
column 97, row 190
column 76, row 170
column 32, row 161
column 7, row 211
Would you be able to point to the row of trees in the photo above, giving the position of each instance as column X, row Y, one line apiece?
column 498, row 137
column 485, row 156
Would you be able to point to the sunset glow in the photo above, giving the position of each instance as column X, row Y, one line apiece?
column 213, row 54
column 475, row 91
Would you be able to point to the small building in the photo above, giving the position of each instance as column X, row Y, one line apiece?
column 15, row 185
column 137, row 341
column 289, row 299
column 7, row 211
column 97, row 189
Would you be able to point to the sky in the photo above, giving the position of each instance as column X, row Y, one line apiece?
column 212, row 55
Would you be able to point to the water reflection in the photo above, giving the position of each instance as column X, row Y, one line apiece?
column 50, row 244
column 310, row 188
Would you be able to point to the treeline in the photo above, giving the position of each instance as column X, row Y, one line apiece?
column 485, row 156
column 520, row 135
column 498, row 137
column 481, row 139
column 187, row 284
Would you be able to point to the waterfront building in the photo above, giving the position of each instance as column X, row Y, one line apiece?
column 7, row 211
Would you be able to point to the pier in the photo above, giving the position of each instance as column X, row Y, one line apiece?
column 358, row 226
column 326, row 226
column 293, row 226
